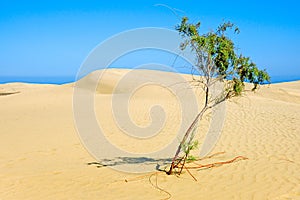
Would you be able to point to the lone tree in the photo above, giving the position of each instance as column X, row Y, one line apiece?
column 216, row 59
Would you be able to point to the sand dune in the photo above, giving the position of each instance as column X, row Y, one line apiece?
column 41, row 155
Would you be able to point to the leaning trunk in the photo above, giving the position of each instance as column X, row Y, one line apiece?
column 187, row 134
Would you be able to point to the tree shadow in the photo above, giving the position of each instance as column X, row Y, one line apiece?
column 132, row 161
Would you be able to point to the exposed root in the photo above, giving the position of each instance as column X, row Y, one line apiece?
column 190, row 173
column 181, row 163
column 159, row 188
column 200, row 166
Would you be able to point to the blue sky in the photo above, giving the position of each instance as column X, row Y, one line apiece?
column 52, row 38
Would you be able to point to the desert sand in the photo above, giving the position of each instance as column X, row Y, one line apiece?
column 42, row 157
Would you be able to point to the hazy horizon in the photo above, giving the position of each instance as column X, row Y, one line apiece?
column 64, row 79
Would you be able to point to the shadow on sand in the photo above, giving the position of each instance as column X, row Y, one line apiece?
column 131, row 161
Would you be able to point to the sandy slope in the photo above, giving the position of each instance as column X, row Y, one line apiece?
column 41, row 156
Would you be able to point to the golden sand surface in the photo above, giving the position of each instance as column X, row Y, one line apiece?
column 42, row 157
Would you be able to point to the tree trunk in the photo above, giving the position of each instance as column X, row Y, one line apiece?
column 189, row 130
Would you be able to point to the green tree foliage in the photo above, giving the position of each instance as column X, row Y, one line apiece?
column 217, row 56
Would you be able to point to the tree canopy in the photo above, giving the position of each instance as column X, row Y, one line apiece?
column 216, row 56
